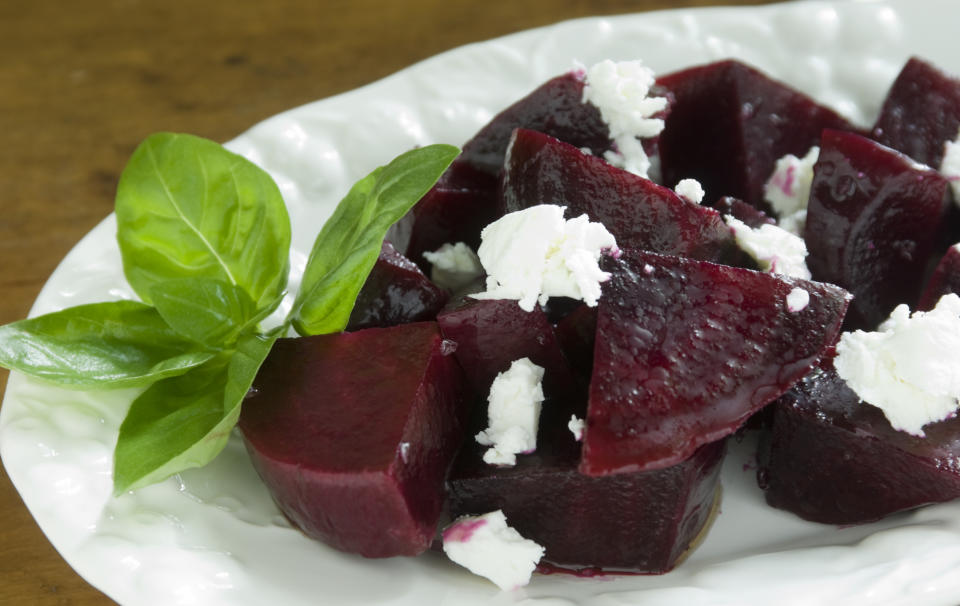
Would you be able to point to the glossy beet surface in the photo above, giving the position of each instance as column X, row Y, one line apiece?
column 353, row 433
column 738, row 209
column 637, row 211
column 873, row 221
column 555, row 108
column 687, row 350
column 729, row 124
column 491, row 334
column 640, row 522
column 921, row 112
column 831, row 459
column 396, row 292
column 456, row 209
column 944, row 280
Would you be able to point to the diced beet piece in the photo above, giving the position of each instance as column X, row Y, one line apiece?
column 945, row 279
column 638, row 522
column 873, row 221
column 921, row 112
column 576, row 334
column 491, row 333
column 830, row 458
column 730, row 123
column 687, row 350
column 456, row 209
column 738, row 209
column 637, row 211
column 555, row 108
column 396, row 292
column 353, row 433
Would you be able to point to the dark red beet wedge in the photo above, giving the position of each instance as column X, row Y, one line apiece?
column 687, row 350
column 873, row 221
column 491, row 334
column 944, row 280
column 396, row 292
column 921, row 112
column 353, row 434
column 829, row 458
column 638, row 212
column 729, row 124
column 632, row 522
column 555, row 108
column 456, row 209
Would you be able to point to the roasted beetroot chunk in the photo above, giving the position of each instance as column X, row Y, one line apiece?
column 945, row 279
column 353, row 433
column 921, row 112
column 555, row 108
column 637, row 211
column 687, row 350
column 729, row 124
column 830, row 458
column 873, row 220
column 631, row 522
column 456, row 209
column 491, row 334
column 738, row 209
column 396, row 292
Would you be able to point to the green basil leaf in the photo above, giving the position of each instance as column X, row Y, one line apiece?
column 349, row 242
column 210, row 312
column 185, row 421
column 113, row 344
column 187, row 207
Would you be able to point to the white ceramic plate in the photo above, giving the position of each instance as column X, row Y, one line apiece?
column 213, row 536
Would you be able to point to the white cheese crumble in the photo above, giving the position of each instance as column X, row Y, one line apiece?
column 788, row 189
column 533, row 254
column 620, row 91
column 909, row 367
column 454, row 266
column 691, row 190
column 797, row 300
column 950, row 167
column 513, row 413
column 576, row 425
column 773, row 248
column 486, row 546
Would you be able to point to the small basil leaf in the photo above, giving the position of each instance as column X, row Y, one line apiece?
column 185, row 421
column 113, row 344
column 210, row 312
column 349, row 242
column 187, row 207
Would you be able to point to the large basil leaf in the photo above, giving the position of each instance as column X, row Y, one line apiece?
column 349, row 242
column 113, row 344
column 210, row 312
column 187, row 207
column 185, row 421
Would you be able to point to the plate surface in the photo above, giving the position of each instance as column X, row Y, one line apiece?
column 213, row 536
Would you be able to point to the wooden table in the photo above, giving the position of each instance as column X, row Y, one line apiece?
column 81, row 83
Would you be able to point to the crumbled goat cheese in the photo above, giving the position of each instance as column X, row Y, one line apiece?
column 690, row 189
column 487, row 547
column 454, row 266
column 788, row 189
column 950, row 167
column 797, row 300
column 513, row 413
column 576, row 425
column 533, row 254
column 910, row 367
column 619, row 91
column 774, row 249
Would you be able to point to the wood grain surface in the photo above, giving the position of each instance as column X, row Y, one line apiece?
column 83, row 81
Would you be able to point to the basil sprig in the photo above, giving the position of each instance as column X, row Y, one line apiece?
column 205, row 240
